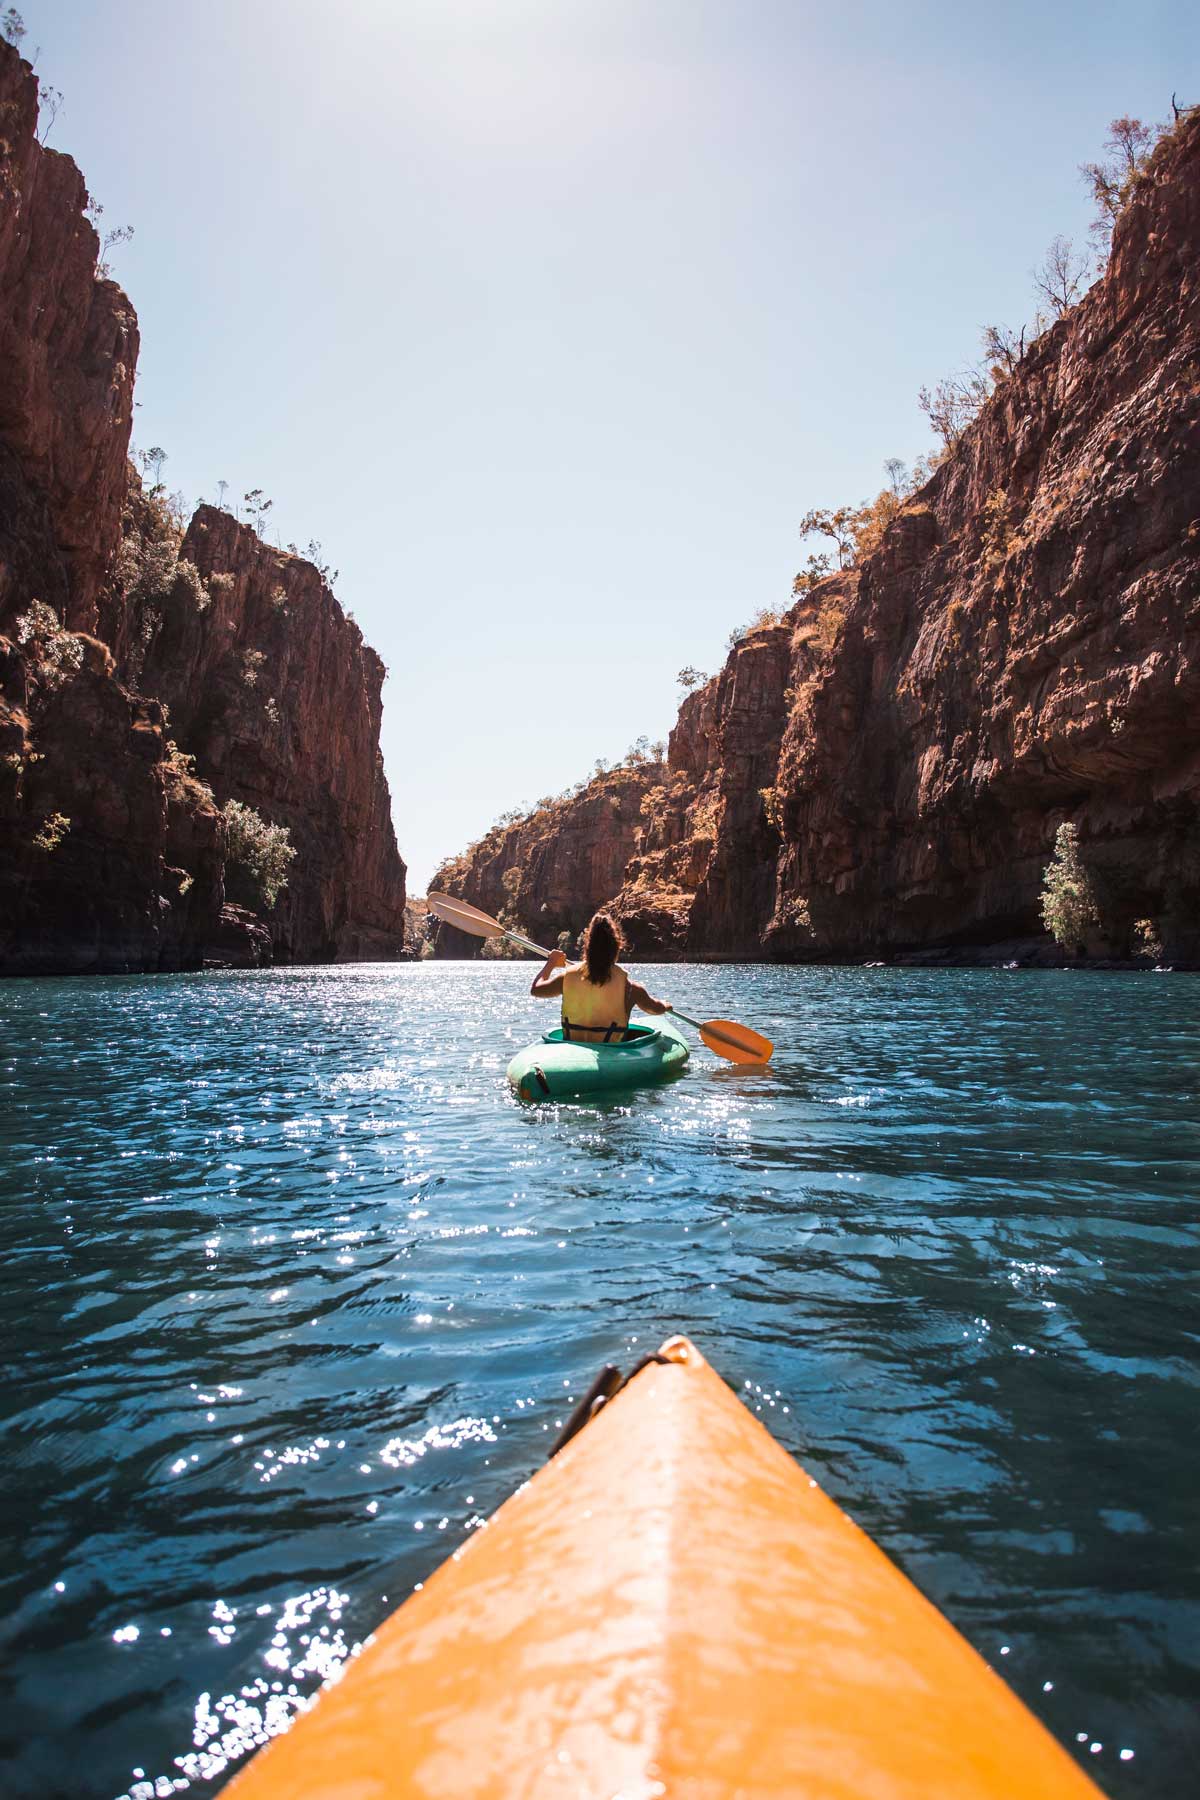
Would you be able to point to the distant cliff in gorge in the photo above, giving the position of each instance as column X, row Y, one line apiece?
column 553, row 867
column 883, row 771
column 149, row 674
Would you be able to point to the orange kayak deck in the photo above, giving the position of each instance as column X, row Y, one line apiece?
column 671, row 1607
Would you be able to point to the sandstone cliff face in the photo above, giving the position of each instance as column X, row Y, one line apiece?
column 68, row 349
column 112, row 852
column 885, row 770
column 88, row 815
column 1025, row 646
column 551, row 870
column 272, row 690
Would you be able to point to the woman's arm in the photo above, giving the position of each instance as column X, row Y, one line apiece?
column 547, row 983
column 645, row 1002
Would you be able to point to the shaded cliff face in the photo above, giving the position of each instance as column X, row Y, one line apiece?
column 886, row 769
column 107, row 856
column 68, row 350
column 273, row 692
column 550, row 871
column 112, row 851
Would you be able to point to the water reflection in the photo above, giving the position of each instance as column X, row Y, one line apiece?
column 294, row 1294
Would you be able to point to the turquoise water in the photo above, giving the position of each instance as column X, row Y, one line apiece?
column 293, row 1293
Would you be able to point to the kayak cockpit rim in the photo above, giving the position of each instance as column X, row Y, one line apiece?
column 637, row 1037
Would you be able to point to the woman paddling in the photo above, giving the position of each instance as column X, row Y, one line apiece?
column 597, row 994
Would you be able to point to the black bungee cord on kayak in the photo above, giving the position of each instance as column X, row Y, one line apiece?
column 607, row 1384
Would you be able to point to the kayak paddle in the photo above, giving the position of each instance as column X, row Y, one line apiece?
column 736, row 1043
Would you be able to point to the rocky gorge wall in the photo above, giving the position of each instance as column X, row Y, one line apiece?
column 553, row 868
column 144, row 680
column 884, row 771
column 275, row 697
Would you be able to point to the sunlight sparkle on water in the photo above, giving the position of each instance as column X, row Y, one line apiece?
column 932, row 1224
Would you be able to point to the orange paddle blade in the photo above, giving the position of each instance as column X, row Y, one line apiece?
column 736, row 1043
column 463, row 917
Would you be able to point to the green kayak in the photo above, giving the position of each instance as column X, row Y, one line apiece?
column 555, row 1067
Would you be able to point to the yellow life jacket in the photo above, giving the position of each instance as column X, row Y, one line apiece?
column 594, row 1013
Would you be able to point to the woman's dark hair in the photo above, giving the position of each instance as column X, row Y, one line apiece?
column 601, row 948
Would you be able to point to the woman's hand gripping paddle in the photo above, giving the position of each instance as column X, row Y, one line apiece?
column 736, row 1043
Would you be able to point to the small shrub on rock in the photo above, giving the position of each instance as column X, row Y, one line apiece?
column 182, row 762
column 190, row 584
column 772, row 799
column 796, row 916
column 828, row 627
column 51, row 832
column 60, row 652
column 149, row 559
column 1147, row 940
column 762, row 620
column 37, row 624
column 258, row 852
column 1069, row 906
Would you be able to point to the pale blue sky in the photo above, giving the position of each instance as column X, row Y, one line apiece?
column 549, row 318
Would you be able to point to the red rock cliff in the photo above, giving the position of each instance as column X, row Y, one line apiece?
column 1025, row 646
column 112, row 852
column 91, row 820
column 68, row 349
column 886, row 769
column 272, row 690
column 548, row 871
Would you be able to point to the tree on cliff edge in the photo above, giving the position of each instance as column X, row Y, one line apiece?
column 1061, row 277
column 1129, row 145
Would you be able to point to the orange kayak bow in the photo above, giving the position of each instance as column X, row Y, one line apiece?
column 671, row 1607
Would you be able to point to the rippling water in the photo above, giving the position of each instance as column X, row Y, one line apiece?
column 294, row 1294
